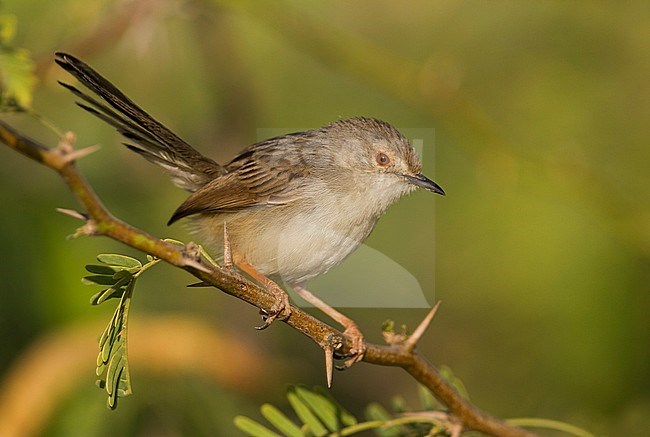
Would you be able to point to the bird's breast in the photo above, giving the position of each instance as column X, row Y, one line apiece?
column 294, row 242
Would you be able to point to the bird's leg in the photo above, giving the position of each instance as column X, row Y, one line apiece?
column 281, row 307
column 227, row 253
column 351, row 328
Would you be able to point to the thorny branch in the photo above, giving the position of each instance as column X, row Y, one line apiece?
column 99, row 221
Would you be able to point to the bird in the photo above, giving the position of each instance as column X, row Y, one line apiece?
column 288, row 208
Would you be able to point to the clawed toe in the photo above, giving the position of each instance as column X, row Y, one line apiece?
column 358, row 349
column 281, row 309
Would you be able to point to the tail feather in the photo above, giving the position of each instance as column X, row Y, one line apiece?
column 189, row 168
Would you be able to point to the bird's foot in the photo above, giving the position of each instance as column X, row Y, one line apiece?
column 281, row 308
column 358, row 349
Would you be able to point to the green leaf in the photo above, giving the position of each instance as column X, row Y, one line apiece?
column 115, row 259
column 17, row 78
column 305, row 414
column 116, row 289
column 101, row 269
column 398, row 405
column 345, row 417
column 112, row 360
column 104, row 295
column 113, row 370
column 123, row 274
column 322, row 406
column 428, row 401
column 252, row 428
column 280, row 421
column 556, row 425
column 108, row 344
column 445, row 372
column 107, row 336
column 375, row 411
column 99, row 280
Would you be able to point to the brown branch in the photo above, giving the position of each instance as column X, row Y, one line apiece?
column 101, row 222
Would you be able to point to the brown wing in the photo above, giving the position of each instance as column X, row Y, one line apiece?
column 266, row 174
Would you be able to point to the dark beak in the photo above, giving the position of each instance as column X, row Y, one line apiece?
column 422, row 181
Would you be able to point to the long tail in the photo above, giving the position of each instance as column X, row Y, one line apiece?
column 189, row 169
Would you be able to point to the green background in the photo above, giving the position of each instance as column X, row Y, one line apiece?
column 541, row 246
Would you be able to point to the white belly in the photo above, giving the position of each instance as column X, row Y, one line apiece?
column 295, row 249
column 299, row 241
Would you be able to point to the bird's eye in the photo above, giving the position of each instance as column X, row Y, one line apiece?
column 382, row 159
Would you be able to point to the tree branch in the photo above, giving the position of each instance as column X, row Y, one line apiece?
column 99, row 221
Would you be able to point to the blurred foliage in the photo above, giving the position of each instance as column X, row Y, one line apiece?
column 319, row 415
column 17, row 79
column 155, row 411
column 541, row 247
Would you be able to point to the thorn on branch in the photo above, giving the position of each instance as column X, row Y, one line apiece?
column 201, row 284
column 410, row 342
column 329, row 364
column 65, row 149
column 78, row 154
column 74, row 214
column 332, row 343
